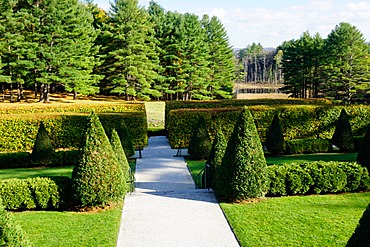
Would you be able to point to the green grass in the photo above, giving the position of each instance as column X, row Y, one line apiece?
column 36, row 172
column 71, row 228
column 311, row 157
column 155, row 115
column 325, row 220
column 195, row 166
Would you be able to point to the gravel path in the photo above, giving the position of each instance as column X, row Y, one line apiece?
column 166, row 210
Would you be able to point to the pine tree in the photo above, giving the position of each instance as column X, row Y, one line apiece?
column 343, row 137
column 363, row 156
column 120, row 154
column 243, row 172
column 43, row 151
column 200, row 142
column 98, row 178
column 275, row 138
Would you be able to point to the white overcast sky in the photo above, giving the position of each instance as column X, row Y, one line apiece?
column 270, row 22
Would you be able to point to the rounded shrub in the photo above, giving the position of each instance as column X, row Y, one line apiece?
column 120, row 154
column 97, row 180
column 298, row 180
column 343, row 136
column 200, row 143
column 43, row 151
column 277, row 180
column 275, row 143
column 363, row 156
column 11, row 234
column 243, row 173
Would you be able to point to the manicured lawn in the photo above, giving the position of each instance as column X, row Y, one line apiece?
column 195, row 166
column 155, row 115
column 325, row 220
column 311, row 157
column 71, row 228
column 36, row 172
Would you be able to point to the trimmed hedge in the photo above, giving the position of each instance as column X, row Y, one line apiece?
column 317, row 178
column 65, row 130
column 297, row 121
column 36, row 193
column 308, row 146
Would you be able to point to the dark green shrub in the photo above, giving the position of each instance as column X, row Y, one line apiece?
column 361, row 236
column 357, row 176
column 357, row 141
column 298, row 180
column 343, row 137
column 97, row 180
column 275, row 143
column 126, row 141
column 45, row 193
column 200, row 143
column 11, row 234
column 16, row 194
column 215, row 159
column 363, row 156
column 243, row 172
column 43, row 151
column 308, row 146
column 120, row 154
column 277, row 180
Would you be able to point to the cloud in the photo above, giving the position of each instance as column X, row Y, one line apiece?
column 220, row 13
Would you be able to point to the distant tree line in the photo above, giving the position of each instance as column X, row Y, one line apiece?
column 128, row 51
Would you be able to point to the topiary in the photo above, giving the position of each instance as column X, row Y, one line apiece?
column 200, row 143
column 98, row 178
column 215, row 159
column 243, row 173
column 126, row 140
column 343, row 137
column 120, row 154
column 11, row 234
column 275, row 143
column 363, row 156
column 43, row 151
column 361, row 236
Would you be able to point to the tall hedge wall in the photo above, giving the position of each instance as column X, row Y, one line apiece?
column 297, row 121
column 208, row 104
column 18, row 131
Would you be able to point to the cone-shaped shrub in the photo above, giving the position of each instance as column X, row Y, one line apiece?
column 120, row 154
column 243, row 172
column 200, row 143
column 361, row 236
column 363, row 156
column 43, row 151
column 275, row 143
column 126, row 140
column 215, row 159
column 98, row 177
column 343, row 137
column 11, row 234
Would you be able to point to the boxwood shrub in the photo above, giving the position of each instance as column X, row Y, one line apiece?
column 308, row 146
column 317, row 178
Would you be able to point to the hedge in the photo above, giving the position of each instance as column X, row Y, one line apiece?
column 208, row 104
column 308, row 146
column 36, row 193
column 317, row 178
column 297, row 121
column 18, row 131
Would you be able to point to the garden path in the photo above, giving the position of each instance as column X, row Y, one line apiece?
column 166, row 210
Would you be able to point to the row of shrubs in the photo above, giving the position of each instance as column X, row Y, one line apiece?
column 317, row 178
column 297, row 121
column 65, row 130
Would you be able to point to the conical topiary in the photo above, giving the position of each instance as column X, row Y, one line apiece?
column 126, row 140
column 275, row 143
column 361, row 236
column 363, row 156
column 343, row 137
column 120, row 154
column 43, row 151
column 200, row 143
column 98, row 178
column 215, row 159
column 243, row 172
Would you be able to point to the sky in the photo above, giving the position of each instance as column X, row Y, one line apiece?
column 271, row 22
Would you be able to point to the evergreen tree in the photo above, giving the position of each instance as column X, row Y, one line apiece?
column 200, row 143
column 361, row 236
column 43, row 151
column 120, row 154
column 363, row 156
column 98, row 178
column 275, row 138
column 215, row 158
column 343, row 137
column 243, row 172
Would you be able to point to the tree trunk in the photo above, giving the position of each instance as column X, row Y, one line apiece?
column 74, row 94
column 20, row 92
column 3, row 91
column 47, row 93
column 11, row 93
column 42, row 92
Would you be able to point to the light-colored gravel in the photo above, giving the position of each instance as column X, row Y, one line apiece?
column 166, row 210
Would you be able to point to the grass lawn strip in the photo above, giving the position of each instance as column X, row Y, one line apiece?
column 36, row 172
column 155, row 115
column 71, row 228
column 324, row 220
